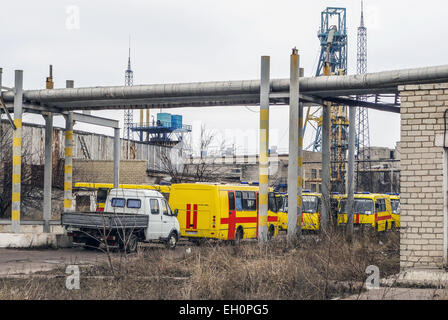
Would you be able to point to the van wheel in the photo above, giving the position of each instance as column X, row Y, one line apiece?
column 132, row 244
column 171, row 242
column 239, row 235
column 271, row 232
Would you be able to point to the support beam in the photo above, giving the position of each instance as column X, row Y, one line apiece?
column 326, row 178
column 48, row 169
column 116, row 157
column 98, row 121
column 294, row 203
column 350, row 185
column 17, row 153
column 264, row 147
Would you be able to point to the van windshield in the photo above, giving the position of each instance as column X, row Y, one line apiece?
column 362, row 206
column 310, row 204
column 395, row 205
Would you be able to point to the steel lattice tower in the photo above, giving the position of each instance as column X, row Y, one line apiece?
column 128, row 114
column 362, row 126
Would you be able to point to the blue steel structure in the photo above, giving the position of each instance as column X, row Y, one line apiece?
column 333, row 39
column 338, row 50
column 162, row 131
column 333, row 42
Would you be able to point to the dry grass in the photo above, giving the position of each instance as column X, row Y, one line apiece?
column 313, row 268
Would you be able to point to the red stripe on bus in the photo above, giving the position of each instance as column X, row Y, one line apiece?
column 383, row 218
column 195, row 216
column 188, row 216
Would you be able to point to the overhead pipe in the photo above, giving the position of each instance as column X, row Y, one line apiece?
column 312, row 85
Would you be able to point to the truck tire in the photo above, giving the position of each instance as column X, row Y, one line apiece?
column 271, row 232
column 171, row 242
column 239, row 235
column 131, row 244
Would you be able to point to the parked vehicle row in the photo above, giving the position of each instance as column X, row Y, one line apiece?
column 197, row 211
column 379, row 211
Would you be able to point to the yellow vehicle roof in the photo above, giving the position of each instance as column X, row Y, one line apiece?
column 308, row 194
column 230, row 187
column 165, row 189
column 368, row 196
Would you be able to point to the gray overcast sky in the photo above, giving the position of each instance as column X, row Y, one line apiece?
column 207, row 40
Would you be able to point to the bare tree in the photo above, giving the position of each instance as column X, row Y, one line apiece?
column 31, row 182
column 180, row 164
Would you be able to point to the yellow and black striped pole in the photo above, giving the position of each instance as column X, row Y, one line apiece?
column 17, row 152
column 68, row 169
column 263, row 165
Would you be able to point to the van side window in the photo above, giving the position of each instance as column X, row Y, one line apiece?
column 164, row 208
column 381, row 205
column 231, row 201
column 134, row 204
column 168, row 209
column 118, row 202
column 249, row 201
column 239, row 201
column 154, row 204
column 272, row 205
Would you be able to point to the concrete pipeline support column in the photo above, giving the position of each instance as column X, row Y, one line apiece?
column 326, row 174
column 300, row 172
column 48, row 169
column 117, row 155
column 294, row 203
column 68, row 168
column 264, row 148
column 17, row 152
column 350, row 185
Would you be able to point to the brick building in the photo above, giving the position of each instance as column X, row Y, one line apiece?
column 423, row 175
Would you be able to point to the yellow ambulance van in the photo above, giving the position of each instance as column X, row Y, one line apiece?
column 396, row 211
column 224, row 212
column 372, row 210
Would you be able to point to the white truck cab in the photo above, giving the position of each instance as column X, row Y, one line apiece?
column 142, row 215
column 162, row 221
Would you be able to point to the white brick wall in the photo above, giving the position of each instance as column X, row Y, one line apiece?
column 422, row 108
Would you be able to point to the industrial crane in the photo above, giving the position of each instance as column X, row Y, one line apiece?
column 332, row 61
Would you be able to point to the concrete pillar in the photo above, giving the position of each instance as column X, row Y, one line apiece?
column 1, row 129
column 350, row 185
column 264, row 147
column 48, row 169
column 300, row 174
column 68, row 169
column 294, row 202
column 17, row 152
column 326, row 178
column 117, row 155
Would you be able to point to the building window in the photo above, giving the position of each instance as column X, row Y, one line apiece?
column 313, row 188
column 313, row 173
column 320, row 187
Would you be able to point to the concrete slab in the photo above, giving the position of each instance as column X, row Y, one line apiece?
column 423, row 278
column 34, row 240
